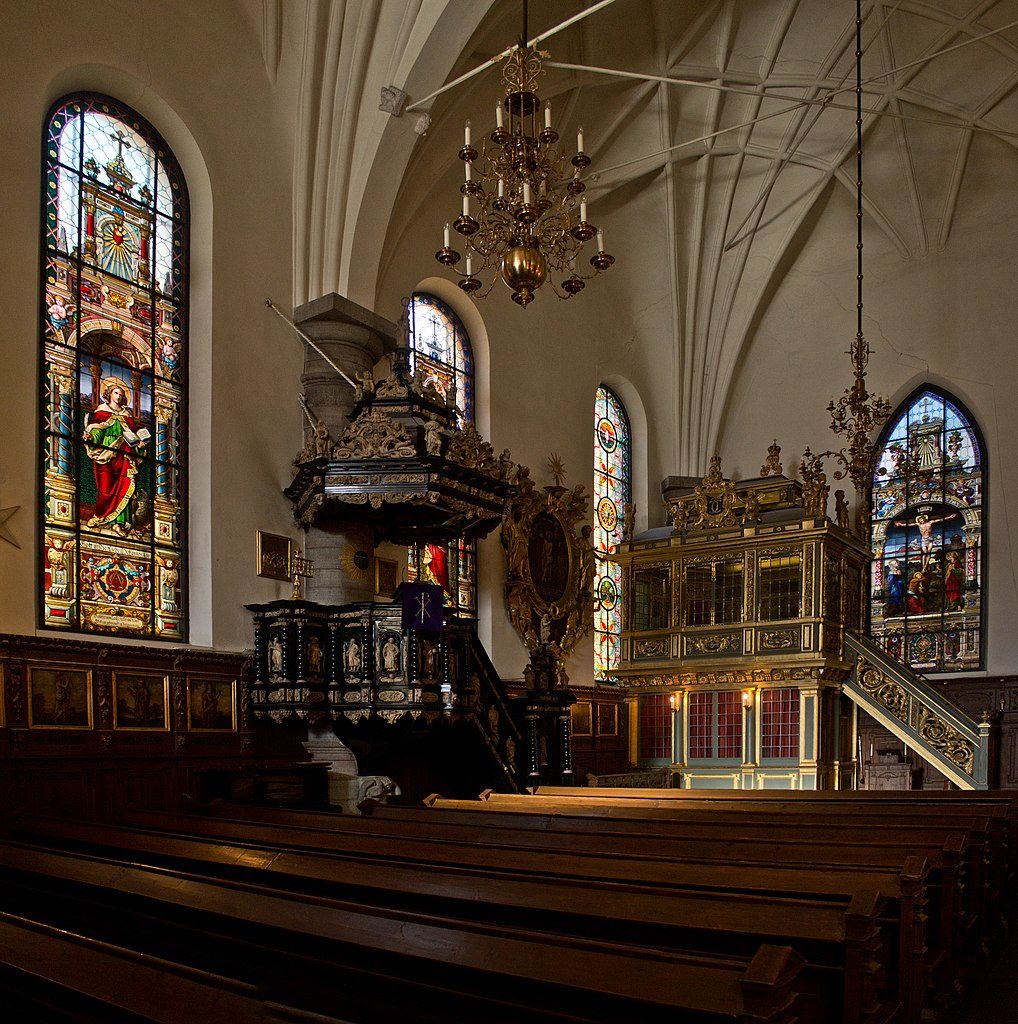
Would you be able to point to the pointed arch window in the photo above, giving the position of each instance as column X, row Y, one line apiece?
column 440, row 347
column 926, row 531
column 113, row 376
column 613, row 487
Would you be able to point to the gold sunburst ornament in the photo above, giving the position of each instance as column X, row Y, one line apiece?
column 524, row 216
column 557, row 468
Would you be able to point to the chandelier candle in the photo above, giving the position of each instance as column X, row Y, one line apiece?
column 530, row 223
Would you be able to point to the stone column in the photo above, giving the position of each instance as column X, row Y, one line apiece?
column 355, row 339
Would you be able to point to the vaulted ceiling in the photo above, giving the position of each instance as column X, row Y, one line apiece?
column 737, row 114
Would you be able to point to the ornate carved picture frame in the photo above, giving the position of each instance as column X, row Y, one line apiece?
column 550, row 563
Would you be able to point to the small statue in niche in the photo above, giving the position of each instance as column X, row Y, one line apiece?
column 493, row 722
column 772, row 464
column 352, row 657
column 505, row 464
column 433, row 437
column 841, row 510
column 528, row 677
column 322, row 441
column 428, row 659
column 751, row 511
column 510, row 751
column 315, row 656
column 679, row 515
column 815, row 490
column 628, row 521
column 365, row 385
column 545, row 633
column 390, row 654
column 275, row 657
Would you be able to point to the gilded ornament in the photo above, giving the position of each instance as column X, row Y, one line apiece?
column 772, row 464
column 550, row 563
column 815, row 489
column 374, row 435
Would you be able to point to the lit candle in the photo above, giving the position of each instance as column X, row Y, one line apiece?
column 447, row 236
column 579, row 140
column 526, row 193
column 583, row 209
column 466, row 134
column 547, row 115
column 600, row 241
column 470, row 265
column 466, row 206
column 498, row 114
column 501, row 188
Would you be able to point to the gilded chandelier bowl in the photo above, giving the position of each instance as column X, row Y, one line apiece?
column 523, row 270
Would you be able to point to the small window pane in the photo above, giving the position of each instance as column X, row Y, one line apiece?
column 655, row 727
column 779, row 723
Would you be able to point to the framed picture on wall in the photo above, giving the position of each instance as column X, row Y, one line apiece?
column 59, row 698
column 581, row 718
column 211, row 705
column 141, row 700
column 386, row 575
column 607, row 719
column 272, row 555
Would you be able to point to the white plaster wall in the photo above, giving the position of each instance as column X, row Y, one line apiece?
column 546, row 362
column 947, row 317
column 204, row 85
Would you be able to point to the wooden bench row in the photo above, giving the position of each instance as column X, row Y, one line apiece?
column 966, row 916
column 388, row 942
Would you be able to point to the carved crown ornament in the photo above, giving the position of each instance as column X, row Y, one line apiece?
column 718, row 503
column 550, row 564
column 403, row 465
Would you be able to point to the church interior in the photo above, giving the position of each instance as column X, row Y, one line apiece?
column 506, row 515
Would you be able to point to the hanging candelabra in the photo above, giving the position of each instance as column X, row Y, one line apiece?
column 857, row 414
column 523, row 216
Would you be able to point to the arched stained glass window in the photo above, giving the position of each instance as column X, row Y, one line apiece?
column 927, row 536
column 113, row 377
column 440, row 347
column 612, row 492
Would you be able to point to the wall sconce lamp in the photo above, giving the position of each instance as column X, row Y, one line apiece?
column 747, row 698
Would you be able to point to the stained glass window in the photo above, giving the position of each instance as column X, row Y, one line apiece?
column 440, row 349
column 114, row 337
column 612, row 492
column 927, row 536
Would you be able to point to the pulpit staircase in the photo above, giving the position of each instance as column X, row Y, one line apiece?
column 918, row 713
column 482, row 705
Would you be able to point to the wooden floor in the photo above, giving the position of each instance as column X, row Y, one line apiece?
column 567, row 905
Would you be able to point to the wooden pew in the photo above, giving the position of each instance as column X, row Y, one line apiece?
column 986, row 822
column 1000, row 807
column 471, row 826
column 488, row 973
column 47, row 971
column 839, row 931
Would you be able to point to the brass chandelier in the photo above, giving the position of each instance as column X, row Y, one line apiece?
column 857, row 414
column 523, row 217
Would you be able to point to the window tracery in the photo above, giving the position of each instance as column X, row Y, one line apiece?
column 440, row 349
column 926, row 531
column 113, row 375
column 612, row 492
